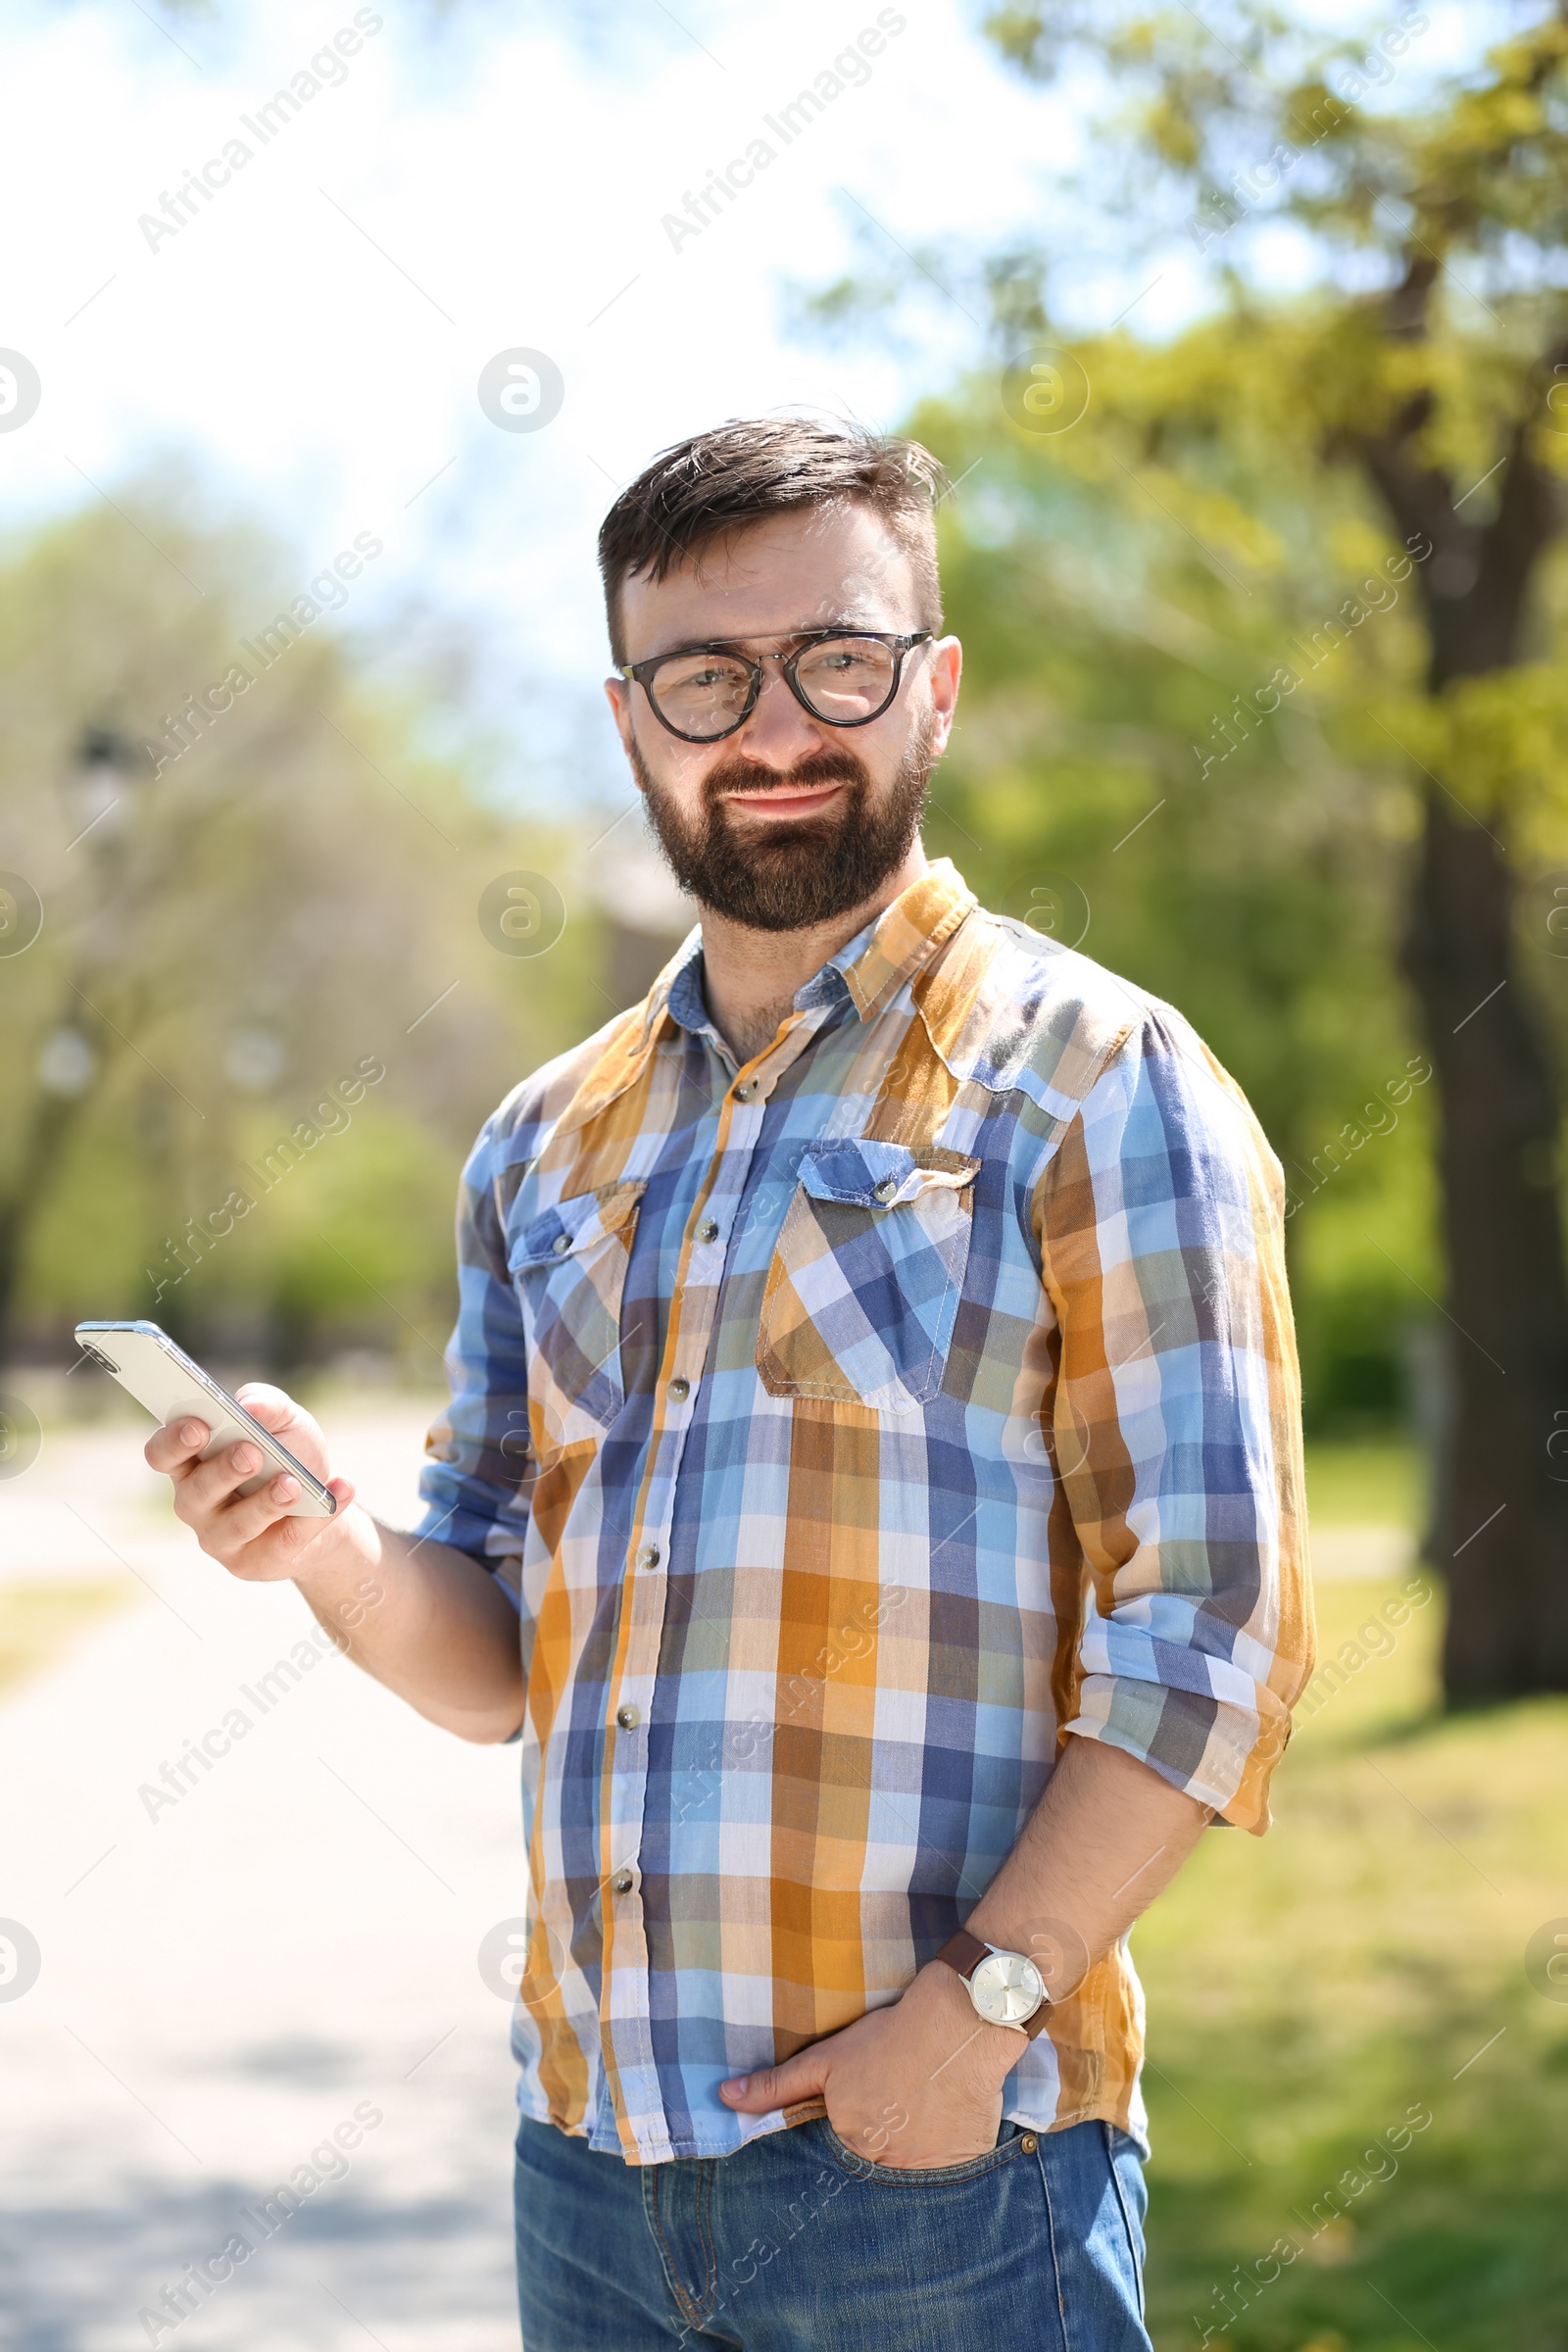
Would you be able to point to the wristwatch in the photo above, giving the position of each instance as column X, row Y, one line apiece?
column 1005, row 1987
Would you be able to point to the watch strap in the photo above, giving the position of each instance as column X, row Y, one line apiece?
column 964, row 1952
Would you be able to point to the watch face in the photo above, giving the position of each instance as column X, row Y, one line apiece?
column 1006, row 1989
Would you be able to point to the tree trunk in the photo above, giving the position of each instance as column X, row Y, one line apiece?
column 1500, row 1527
column 1500, row 1516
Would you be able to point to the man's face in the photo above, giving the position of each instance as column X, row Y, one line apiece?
column 789, row 821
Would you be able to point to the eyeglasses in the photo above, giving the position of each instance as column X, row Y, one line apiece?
column 845, row 677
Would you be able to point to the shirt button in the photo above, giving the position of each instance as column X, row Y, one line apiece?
column 562, row 1244
column 680, row 1390
column 627, row 1717
column 622, row 1882
column 648, row 1558
column 708, row 1230
column 746, row 1087
column 886, row 1189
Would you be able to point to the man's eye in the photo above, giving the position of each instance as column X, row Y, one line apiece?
column 844, row 661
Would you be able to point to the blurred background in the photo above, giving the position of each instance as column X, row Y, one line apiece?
column 327, row 336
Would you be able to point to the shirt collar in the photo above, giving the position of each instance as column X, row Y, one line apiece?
column 869, row 968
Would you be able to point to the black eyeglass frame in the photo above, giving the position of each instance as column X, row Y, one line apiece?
column 901, row 644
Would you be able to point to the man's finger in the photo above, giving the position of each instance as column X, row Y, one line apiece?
column 776, row 2086
column 237, row 1524
column 208, row 1485
column 248, row 1516
column 175, row 1447
column 263, row 1403
column 274, row 1408
column 258, row 1538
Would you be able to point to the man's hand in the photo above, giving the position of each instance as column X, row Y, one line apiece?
column 419, row 1615
column 250, row 1534
column 917, row 2085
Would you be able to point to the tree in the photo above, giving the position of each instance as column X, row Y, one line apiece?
column 1254, row 886
column 1422, row 376
column 251, row 881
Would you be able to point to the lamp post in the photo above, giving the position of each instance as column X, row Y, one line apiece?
column 98, row 793
column 98, row 790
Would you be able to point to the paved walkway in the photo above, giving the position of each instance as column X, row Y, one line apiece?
column 226, row 1980
column 228, row 1976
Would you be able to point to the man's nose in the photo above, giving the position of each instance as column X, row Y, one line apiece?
column 778, row 730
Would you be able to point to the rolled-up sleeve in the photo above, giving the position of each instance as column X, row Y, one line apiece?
column 478, row 1474
column 1174, row 1421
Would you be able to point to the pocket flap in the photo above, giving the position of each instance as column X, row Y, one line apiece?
column 573, row 1227
column 861, row 1173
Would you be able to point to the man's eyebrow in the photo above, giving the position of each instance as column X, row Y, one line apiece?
column 821, row 628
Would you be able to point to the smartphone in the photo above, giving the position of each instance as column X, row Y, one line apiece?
column 161, row 1376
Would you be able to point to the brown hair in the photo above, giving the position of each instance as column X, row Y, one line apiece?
column 751, row 468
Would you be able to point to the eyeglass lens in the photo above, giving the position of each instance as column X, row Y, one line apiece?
column 844, row 680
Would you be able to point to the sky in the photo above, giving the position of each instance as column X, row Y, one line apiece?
column 309, row 349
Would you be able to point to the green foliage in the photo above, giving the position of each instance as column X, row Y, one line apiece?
column 1202, row 652
column 286, row 900
column 1307, row 1991
column 1253, row 878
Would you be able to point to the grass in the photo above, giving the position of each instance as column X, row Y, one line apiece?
column 1371, row 1481
column 1309, row 1990
column 38, row 1620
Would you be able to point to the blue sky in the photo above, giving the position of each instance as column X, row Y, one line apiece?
column 305, row 350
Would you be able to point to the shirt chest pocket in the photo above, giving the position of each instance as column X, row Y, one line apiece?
column 569, row 1264
column 863, row 1289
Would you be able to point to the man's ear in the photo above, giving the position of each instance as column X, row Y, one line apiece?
column 946, row 665
column 618, row 695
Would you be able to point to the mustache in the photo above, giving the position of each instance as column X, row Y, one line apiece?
column 747, row 776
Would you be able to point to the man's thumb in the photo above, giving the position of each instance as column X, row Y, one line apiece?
column 776, row 2086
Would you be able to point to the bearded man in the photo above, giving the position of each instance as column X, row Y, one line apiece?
column 870, row 1495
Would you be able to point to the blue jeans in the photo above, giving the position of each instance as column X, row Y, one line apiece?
column 796, row 2244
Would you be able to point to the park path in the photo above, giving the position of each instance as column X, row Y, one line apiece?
column 223, row 1981
column 225, row 1977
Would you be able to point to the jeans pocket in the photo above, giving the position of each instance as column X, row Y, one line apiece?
column 1010, row 2144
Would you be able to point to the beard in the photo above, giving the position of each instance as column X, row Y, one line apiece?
column 803, row 870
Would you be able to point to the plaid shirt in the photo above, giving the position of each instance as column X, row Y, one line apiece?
column 848, row 1431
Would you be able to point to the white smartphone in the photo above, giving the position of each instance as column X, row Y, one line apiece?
column 144, row 1359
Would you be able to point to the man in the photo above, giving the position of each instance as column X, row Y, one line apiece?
column 871, row 1495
